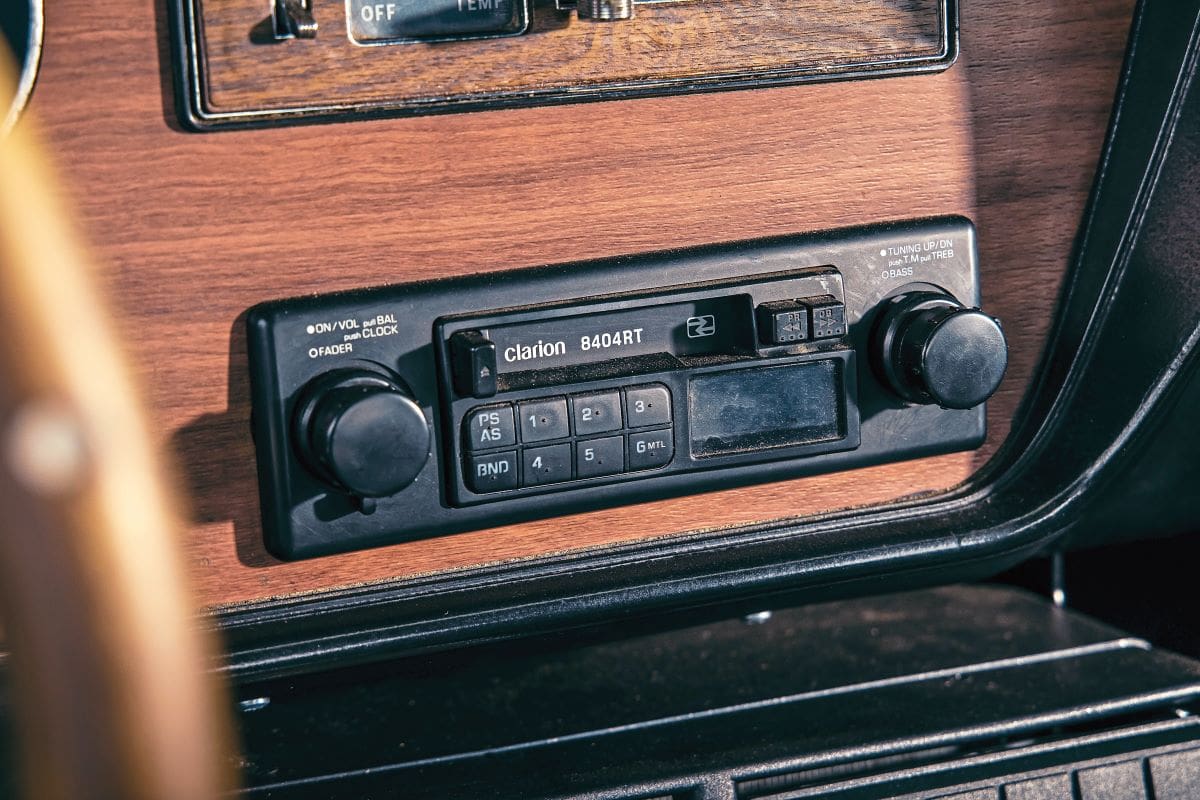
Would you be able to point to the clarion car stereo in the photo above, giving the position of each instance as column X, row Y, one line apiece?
column 410, row 411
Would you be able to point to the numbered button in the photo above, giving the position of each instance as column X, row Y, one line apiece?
column 650, row 449
column 544, row 419
column 551, row 464
column 597, row 457
column 490, row 427
column 596, row 413
column 648, row 405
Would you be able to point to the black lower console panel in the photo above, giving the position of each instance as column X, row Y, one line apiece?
column 967, row 692
column 416, row 410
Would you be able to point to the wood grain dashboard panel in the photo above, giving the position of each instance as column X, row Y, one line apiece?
column 193, row 229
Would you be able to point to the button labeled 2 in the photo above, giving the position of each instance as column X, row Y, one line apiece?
column 596, row 413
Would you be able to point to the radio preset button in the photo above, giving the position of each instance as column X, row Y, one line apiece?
column 648, row 405
column 651, row 449
column 494, row 472
column 542, row 420
column 550, row 464
column 596, row 457
column 596, row 413
column 490, row 427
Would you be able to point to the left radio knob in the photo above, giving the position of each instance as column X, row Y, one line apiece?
column 362, row 432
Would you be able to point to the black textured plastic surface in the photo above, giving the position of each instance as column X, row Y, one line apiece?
column 869, row 698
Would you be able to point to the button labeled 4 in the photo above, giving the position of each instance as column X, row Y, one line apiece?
column 550, row 464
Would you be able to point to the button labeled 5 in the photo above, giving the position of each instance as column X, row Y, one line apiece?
column 596, row 457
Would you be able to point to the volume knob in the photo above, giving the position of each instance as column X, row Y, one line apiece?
column 929, row 348
column 362, row 432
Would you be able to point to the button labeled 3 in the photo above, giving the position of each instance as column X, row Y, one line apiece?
column 648, row 405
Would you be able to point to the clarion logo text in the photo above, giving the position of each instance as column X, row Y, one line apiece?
column 527, row 352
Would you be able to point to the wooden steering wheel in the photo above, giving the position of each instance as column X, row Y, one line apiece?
column 110, row 674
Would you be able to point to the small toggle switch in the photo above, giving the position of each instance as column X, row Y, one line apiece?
column 604, row 10
column 294, row 20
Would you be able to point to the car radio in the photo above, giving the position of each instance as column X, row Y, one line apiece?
column 410, row 411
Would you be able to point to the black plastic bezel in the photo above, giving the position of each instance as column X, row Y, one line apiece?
column 302, row 519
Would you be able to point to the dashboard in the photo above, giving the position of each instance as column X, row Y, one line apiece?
column 625, row 399
column 197, row 229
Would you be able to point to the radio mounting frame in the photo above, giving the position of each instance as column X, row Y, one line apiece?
column 405, row 330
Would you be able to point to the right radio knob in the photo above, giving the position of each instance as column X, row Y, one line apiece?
column 929, row 348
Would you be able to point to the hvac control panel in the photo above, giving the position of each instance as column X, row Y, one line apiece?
column 412, row 411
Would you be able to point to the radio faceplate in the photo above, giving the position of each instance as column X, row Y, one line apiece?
column 412, row 411
column 627, row 381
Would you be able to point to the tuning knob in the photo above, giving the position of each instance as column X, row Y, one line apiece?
column 929, row 348
column 362, row 432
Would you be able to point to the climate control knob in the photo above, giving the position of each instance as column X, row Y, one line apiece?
column 361, row 432
column 929, row 348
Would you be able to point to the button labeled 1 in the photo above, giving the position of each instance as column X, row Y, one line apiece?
column 544, row 419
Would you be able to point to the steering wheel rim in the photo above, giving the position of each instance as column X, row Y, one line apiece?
column 113, row 687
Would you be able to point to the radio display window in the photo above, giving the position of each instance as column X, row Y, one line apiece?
column 747, row 410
